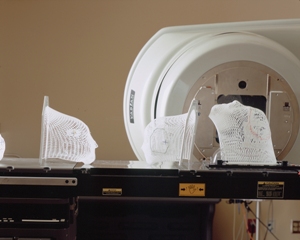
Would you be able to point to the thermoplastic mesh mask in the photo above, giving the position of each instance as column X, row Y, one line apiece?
column 66, row 137
column 244, row 134
column 171, row 138
column 2, row 147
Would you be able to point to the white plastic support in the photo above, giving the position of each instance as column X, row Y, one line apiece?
column 44, row 133
column 194, row 107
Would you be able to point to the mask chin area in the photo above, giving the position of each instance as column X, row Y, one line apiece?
column 255, row 63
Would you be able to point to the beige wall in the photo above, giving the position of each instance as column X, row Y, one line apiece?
column 79, row 52
column 283, row 213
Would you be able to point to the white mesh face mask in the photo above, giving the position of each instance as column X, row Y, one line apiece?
column 2, row 147
column 66, row 137
column 244, row 134
column 171, row 138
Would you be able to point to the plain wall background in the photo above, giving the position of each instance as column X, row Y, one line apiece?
column 79, row 53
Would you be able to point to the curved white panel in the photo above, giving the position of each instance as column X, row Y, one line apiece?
column 217, row 50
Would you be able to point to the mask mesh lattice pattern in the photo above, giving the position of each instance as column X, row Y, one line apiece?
column 2, row 147
column 170, row 138
column 66, row 138
column 244, row 134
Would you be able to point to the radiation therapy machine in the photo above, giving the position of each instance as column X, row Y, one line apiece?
column 211, row 112
column 256, row 63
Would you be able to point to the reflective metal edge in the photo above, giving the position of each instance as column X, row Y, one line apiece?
column 39, row 181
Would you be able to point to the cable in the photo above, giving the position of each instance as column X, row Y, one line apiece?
column 246, row 223
column 250, row 210
column 241, row 229
column 233, row 201
column 233, row 226
column 267, row 230
column 256, row 221
column 241, row 226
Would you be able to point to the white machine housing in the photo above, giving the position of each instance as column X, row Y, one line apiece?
column 257, row 63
